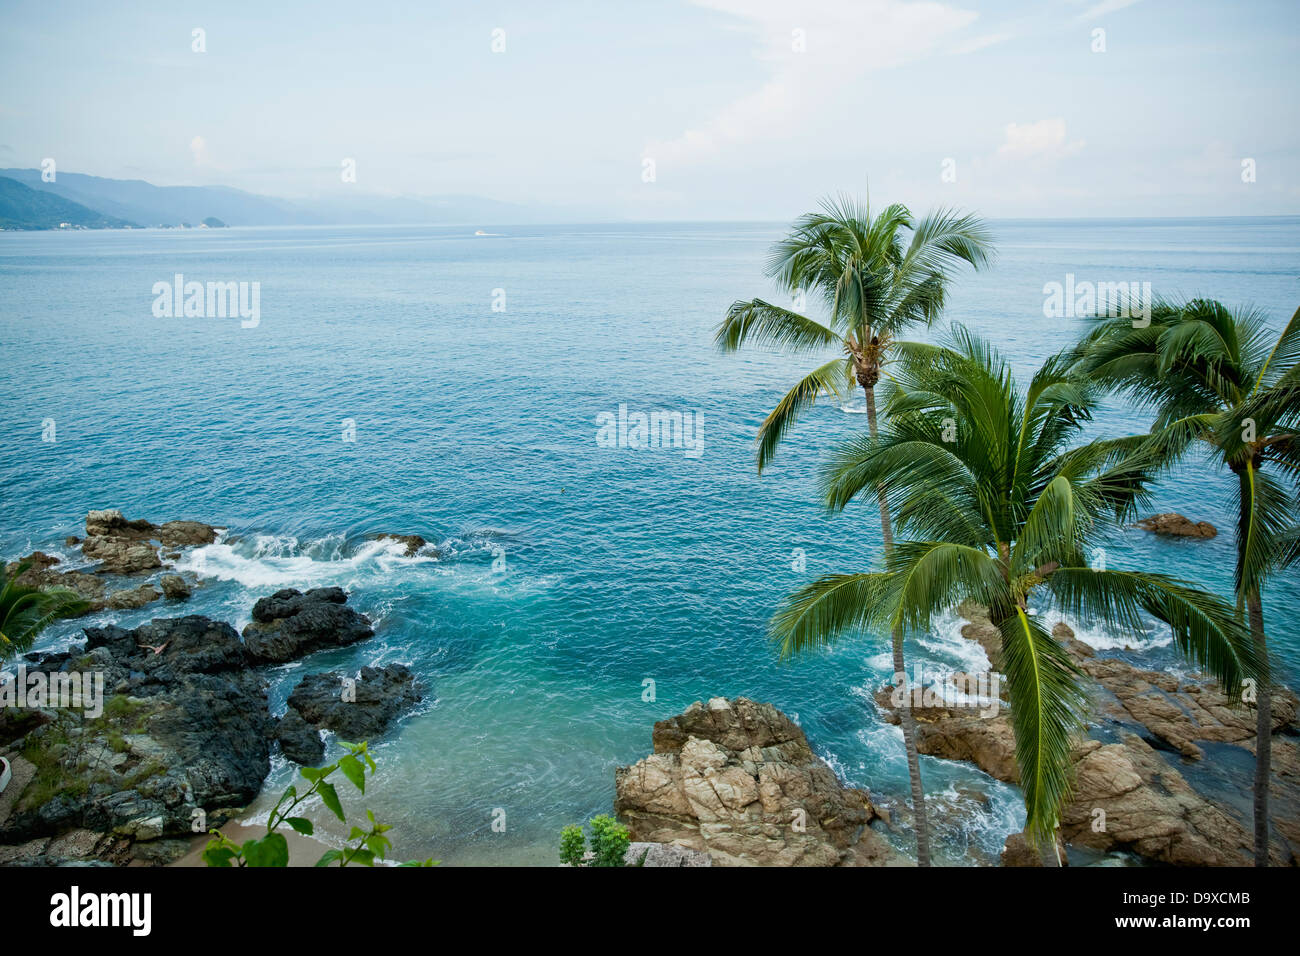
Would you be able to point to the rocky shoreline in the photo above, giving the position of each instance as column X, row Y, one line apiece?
column 181, row 738
column 1164, row 771
column 184, row 737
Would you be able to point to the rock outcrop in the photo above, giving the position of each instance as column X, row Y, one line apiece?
column 123, row 546
column 664, row 854
column 290, row 624
column 119, row 547
column 413, row 542
column 42, row 573
column 184, row 728
column 356, row 709
column 1140, row 782
column 737, row 780
column 1176, row 525
column 179, row 730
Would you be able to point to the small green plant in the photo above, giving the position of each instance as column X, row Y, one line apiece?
column 365, row 846
column 573, row 845
column 608, row 844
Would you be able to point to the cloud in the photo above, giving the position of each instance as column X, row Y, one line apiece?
column 843, row 41
column 1103, row 8
column 979, row 43
column 199, row 147
column 1044, row 138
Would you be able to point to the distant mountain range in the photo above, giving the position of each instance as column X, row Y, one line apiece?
column 23, row 208
column 94, row 202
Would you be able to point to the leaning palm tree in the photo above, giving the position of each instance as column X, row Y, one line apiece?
column 1000, row 506
column 26, row 611
column 1218, row 381
column 875, row 277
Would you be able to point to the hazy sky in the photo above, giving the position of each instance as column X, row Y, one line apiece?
column 739, row 121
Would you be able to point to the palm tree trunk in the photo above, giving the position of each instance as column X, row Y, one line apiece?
column 906, row 718
column 1263, row 734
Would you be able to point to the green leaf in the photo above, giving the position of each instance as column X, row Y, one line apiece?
column 271, row 850
column 329, row 857
column 301, row 824
column 354, row 771
column 364, row 857
column 331, row 799
column 218, row 855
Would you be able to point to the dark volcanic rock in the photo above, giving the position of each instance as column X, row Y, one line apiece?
column 184, row 727
column 289, row 624
column 299, row 740
column 379, row 697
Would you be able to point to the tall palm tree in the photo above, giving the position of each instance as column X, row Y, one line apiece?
column 1217, row 380
column 875, row 276
column 25, row 611
column 1000, row 507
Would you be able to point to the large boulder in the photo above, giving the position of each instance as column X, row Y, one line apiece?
column 359, row 708
column 121, row 555
column 129, row 599
column 737, row 780
column 664, row 854
column 290, row 624
column 299, row 741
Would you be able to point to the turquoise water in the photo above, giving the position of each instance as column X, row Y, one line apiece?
column 477, row 429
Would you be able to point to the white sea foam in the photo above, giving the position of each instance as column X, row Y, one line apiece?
column 275, row 561
column 1100, row 640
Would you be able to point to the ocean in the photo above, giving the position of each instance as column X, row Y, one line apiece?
column 435, row 382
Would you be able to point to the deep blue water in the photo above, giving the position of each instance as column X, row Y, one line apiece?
column 477, row 429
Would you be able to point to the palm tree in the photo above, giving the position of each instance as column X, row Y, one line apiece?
column 1000, row 507
column 25, row 611
column 1217, row 380
column 876, row 276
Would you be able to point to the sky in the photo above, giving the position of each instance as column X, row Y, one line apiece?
column 675, row 109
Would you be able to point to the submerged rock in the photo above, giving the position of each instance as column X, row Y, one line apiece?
column 414, row 543
column 737, row 780
column 290, row 624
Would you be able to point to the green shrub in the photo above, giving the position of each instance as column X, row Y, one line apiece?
column 608, row 844
column 573, row 845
